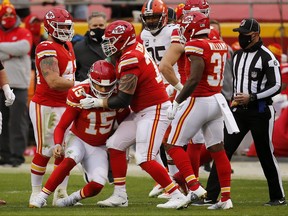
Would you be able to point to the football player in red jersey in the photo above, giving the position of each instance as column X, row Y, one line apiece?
column 141, row 87
column 175, row 53
column 86, row 140
column 199, row 105
column 55, row 69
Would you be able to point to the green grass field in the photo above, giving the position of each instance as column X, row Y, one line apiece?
column 248, row 197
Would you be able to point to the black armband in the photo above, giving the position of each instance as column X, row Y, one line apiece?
column 121, row 100
column 252, row 97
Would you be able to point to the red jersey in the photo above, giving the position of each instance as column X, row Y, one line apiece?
column 214, row 54
column 284, row 72
column 44, row 95
column 213, row 35
column 150, row 88
column 93, row 126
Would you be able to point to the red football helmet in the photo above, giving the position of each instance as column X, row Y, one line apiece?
column 58, row 23
column 197, row 5
column 101, row 75
column 154, row 15
column 194, row 23
column 118, row 35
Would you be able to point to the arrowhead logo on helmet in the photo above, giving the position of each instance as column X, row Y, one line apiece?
column 119, row 29
column 50, row 15
column 118, row 35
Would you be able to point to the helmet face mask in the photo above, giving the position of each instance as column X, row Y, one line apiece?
column 102, row 79
column 117, row 36
column 58, row 23
column 63, row 31
column 108, row 46
column 154, row 15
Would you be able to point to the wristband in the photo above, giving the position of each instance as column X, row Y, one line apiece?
column 6, row 88
column 178, row 86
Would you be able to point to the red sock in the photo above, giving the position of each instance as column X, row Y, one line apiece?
column 193, row 151
column 118, row 165
column 223, row 167
column 39, row 164
column 181, row 182
column 181, row 160
column 205, row 156
column 91, row 189
column 58, row 175
column 159, row 174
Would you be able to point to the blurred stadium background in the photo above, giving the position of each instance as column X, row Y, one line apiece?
column 272, row 14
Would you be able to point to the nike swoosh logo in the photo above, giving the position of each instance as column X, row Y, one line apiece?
column 207, row 201
column 281, row 201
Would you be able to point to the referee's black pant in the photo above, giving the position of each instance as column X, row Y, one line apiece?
column 261, row 126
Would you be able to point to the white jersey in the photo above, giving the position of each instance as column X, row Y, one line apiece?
column 158, row 44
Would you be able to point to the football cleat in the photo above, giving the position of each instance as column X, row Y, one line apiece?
column 116, row 200
column 195, row 195
column 69, row 200
column 164, row 196
column 222, row 205
column 33, row 196
column 37, row 202
column 157, row 189
column 59, row 194
column 178, row 201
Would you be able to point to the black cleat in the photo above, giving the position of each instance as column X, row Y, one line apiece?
column 278, row 202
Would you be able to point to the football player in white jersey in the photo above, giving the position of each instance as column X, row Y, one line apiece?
column 157, row 37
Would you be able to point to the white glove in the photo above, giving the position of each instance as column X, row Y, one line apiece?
column 0, row 122
column 58, row 151
column 171, row 112
column 9, row 95
column 170, row 90
column 91, row 102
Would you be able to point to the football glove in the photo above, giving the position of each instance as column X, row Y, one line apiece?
column 9, row 95
column 170, row 90
column 91, row 102
column 171, row 112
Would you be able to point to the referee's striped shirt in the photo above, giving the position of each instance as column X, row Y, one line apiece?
column 256, row 71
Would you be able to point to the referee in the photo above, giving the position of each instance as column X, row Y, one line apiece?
column 256, row 78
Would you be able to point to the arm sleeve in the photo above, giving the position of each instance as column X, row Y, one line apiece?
column 121, row 100
column 67, row 118
column 17, row 48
